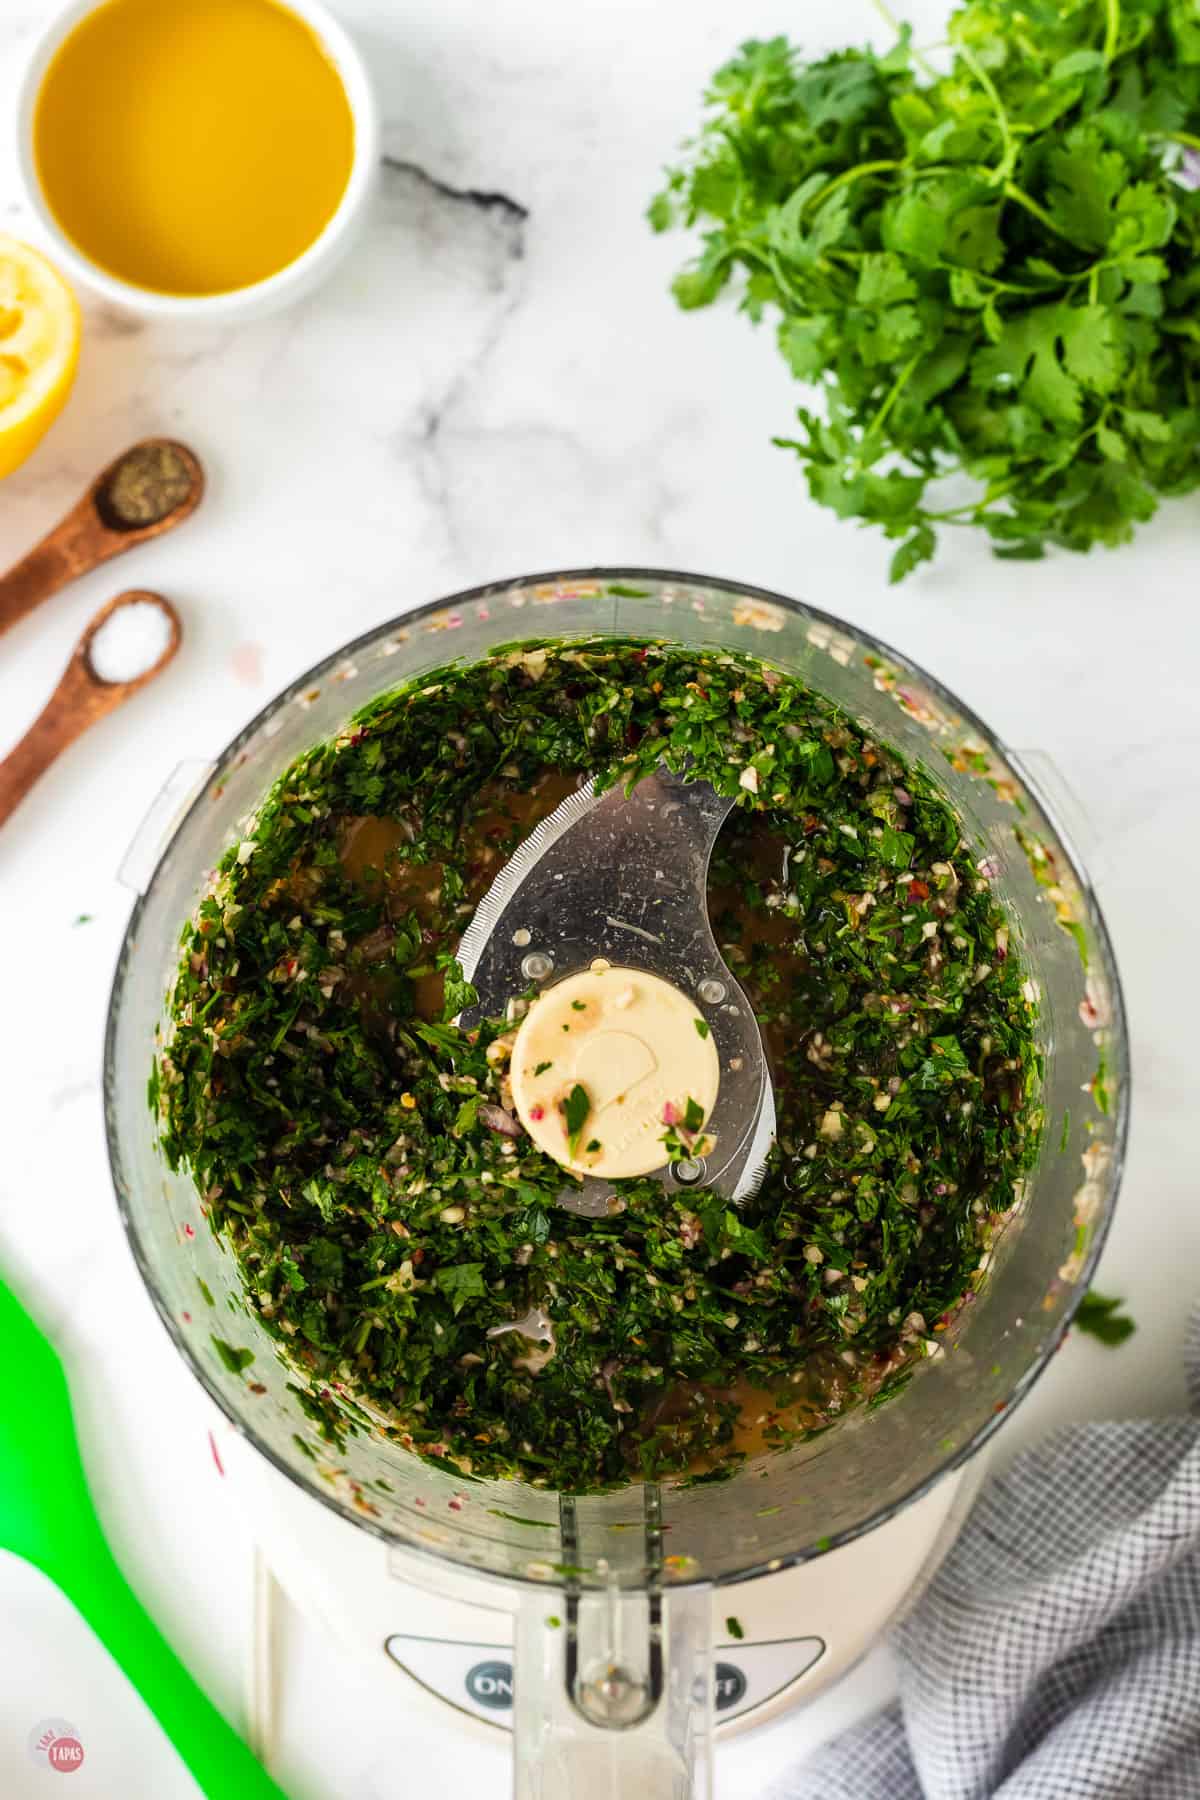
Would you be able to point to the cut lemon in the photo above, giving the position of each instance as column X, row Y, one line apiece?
column 39, row 348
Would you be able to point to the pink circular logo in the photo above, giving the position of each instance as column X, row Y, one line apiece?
column 54, row 1743
column 66, row 1754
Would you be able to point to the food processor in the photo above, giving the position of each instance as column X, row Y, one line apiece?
column 618, row 1633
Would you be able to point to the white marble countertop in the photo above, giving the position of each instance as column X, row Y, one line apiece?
column 498, row 381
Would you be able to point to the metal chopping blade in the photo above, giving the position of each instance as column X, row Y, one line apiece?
column 624, row 877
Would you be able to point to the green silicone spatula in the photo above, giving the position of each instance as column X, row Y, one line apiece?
column 47, row 1517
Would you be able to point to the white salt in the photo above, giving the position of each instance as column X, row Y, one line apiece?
column 130, row 641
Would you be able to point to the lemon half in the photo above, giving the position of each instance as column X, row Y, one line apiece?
column 39, row 349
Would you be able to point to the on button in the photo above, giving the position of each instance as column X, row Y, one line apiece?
column 491, row 1684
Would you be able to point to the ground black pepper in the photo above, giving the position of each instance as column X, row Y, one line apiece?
column 144, row 487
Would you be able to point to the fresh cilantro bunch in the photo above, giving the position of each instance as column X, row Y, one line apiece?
column 991, row 272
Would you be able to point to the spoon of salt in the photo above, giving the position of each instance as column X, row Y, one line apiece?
column 128, row 643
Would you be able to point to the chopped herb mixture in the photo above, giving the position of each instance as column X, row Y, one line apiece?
column 359, row 1156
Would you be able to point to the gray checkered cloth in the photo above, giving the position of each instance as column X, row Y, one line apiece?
column 1056, row 1654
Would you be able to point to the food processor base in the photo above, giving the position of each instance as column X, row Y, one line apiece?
column 449, row 1631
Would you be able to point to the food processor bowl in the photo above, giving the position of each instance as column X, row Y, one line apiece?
column 613, row 1632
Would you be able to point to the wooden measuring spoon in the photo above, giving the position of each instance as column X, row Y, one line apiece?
column 118, row 511
column 81, row 697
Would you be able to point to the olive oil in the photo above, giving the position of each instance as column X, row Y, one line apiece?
column 192, row 148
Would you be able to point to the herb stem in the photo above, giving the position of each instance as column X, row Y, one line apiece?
column 1184, row 137
column 1009, row 159
column 1013, row 192
column 880, row 420
column 893, row 24
column 974, row 507
column 860, row 169
column 1113, row 30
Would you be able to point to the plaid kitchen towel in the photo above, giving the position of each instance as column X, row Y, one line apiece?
column 1056, row 1653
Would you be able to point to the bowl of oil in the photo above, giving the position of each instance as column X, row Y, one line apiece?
column 205, row 161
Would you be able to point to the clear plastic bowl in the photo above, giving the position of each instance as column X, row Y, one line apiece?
column 817, row 1495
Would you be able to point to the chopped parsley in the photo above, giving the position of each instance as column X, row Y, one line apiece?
column 235, row 1360
column 1101, row 1317
column 576, row 1108
column 358, row 1155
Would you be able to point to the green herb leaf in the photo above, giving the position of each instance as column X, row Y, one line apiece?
column 896, row 848
column 466, row 1115
column 576, row 1109
column 235, row 1360
column 532, row 1226
column 461, row 1282
column 458, row 993
column 1101, row 1317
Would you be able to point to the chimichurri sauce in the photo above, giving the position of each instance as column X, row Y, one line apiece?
column 359, row 1157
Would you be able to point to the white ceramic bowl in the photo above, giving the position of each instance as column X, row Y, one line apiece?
column 260, row 297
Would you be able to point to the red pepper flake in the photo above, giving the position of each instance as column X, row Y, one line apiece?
column 537, row 1112
column 1000, row 1406
column 256, row 1387
column 189, row 1231
column 216, row 1455
column 918, row 890
column 186, row 1317
column 456, row 1503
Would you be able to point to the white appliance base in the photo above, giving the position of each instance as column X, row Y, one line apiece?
column 449, row 1632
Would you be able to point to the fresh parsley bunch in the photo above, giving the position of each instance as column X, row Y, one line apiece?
column 991, row 272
